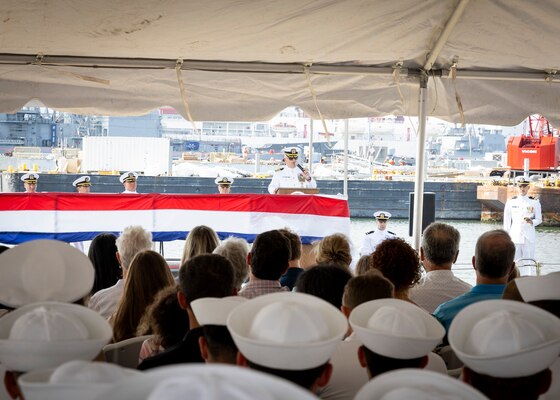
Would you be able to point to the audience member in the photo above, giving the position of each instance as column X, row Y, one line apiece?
column 207, row 275
column 290, row 335
column 334, row 249
column 147, row 275
column 130, row 242
column 438, row 252
column 492, row 262
column 235, row 250
column 294, row 268
column 200, row 240
column 324, row 281
column 399, row 263
column 363, row 265
column 268, row 260
column 103, row 255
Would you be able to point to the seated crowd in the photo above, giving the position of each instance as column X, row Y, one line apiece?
column 262, row 322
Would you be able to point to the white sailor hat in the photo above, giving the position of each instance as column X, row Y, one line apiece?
column 48, row 334
column 396, row 328
column 82, row 181
column 291, row 152
column 505, row 338
column 129, row 176
column 418, row 384
column 521, row 181
column 31, row 177
column 76, row 379
column 289, row 331
column 44, row 270
column 535, row 288
column 205, row 382
column 383, row 215
column 213, row 310
column 223, row 180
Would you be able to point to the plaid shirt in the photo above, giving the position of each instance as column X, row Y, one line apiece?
column 257, row 287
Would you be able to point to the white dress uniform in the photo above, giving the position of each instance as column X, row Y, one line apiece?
column 372, row 239
column 129, row 176
column 522, row 233
column 289, row 178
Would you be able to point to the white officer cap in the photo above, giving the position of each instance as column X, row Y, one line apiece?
column 76, row 379
column 205, row 382
column 417, row 384
column 521, row 181
column 82, row 181
column 396, row 328
column 44, row 270
column 129, row 176
column 505, row 339
column 223, row 180
column 382, row 215
column 48, row 334
column 290, row 331
column 31, row 177
column 291, row 152
column 213, row 310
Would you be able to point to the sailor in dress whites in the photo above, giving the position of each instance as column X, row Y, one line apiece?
column 373, row 238
column 521, row 214
column 30, row 182
column 82, row 184
column 292, row 175
column 128, row 179
column 224, row 184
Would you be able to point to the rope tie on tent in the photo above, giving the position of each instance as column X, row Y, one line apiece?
column 453, row 76
column 397, row 78
column 551, row 76
column 314, row 95
column 178, row 66
column 39, row 62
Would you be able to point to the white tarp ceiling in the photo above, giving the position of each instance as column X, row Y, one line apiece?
column 135, row 45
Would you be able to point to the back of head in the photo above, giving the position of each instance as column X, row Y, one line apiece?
column 235, row 250
column 366, row 287
column 363, row 265
column 398, row 262
column 103, row 255
column 131, row 241
column 324, row 281
column 200, row 240
column 494, row 254
column 334, row 249
column 207, row 275
column 270, row 255
column 440, row 243
column 295, row 243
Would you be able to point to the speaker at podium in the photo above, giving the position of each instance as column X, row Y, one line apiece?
column 297, row 190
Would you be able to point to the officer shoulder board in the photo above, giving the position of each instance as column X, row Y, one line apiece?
column 279, row 169
column 392, row 233
column 514, row 197
column 370, row 232
column 533, row 198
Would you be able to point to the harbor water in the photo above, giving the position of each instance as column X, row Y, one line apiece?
column 546, row 251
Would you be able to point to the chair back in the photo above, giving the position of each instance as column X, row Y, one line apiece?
column 125, row 353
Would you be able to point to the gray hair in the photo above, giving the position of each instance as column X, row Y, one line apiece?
column 132, row 241
column 235, row 250
column 440, row 243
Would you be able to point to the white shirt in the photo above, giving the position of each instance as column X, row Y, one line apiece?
column 105, row 301
column 289, row 178
column 516, row 210
column 129, row 192
column 372, row 239
column 437, row 287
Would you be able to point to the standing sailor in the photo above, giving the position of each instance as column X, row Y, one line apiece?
column 292, row 175
column 521, row 214
column 373, row 238
column 82, row 184
column 30, row 182
column 128, row 179
column 224, row 184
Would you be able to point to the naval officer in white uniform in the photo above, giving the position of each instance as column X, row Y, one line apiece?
column 30, row 182
column 224, row 184
column 82, row 184
column 375, row 237
column 292, row 175
column 129, row 180
column 521, row 214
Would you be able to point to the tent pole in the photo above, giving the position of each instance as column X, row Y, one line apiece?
column 420, row 161
column 346, row 157
column 310, row 166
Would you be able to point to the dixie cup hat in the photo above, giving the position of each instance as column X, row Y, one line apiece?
column 535, row 288
column 223, row 180
column 82, row 181
column 30, row 177
column 129, row 176
column 214, row 310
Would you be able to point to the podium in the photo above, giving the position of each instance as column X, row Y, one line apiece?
column 295, row 189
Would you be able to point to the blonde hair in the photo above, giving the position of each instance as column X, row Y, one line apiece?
column 200, row 240
column 334, row 249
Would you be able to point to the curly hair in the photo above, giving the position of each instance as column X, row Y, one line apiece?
column 334, row 249
column 398, row 262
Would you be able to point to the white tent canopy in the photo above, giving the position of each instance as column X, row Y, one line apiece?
column 478, row 61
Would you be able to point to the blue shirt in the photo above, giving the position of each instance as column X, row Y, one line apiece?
column 447, row 311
